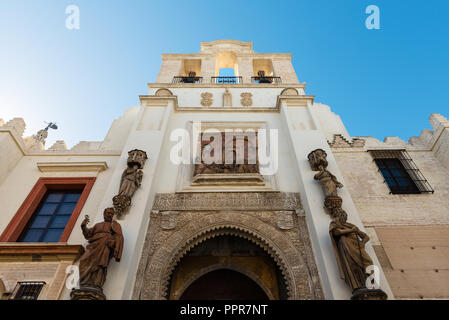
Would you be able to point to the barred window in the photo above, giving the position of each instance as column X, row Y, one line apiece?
column 400, row 172
column 28, row 290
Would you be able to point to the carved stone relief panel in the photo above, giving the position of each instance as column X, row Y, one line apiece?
column 284, row 220
column 169, row 219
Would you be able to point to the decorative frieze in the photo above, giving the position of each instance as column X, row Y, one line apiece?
column 340, row 142
column 227, row 200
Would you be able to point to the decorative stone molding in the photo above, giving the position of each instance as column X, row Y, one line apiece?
column 228, row 179
column 247, row 99
column 340, row 142
column 206, row 99
column 169, row 219
column 229, row 200
column 203, row 216
column 284, row 220
column 87, row 294
column 66, row 166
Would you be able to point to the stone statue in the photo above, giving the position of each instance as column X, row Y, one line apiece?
column 105, row 242
column 130, row 181
column 317, row 158
column 329, row 182
column 352, row 259
column 347, row 239
column 349, row 245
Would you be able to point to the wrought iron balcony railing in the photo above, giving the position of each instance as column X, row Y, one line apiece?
column 224, row 80
column 266, row 79
column 187, row 79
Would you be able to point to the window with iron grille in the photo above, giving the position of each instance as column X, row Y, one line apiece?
column 28, row 290
column 400, row 172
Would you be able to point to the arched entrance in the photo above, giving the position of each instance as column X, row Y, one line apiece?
column 227, row 266
column 224, row 284
column 272, row 246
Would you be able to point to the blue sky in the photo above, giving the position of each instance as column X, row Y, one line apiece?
column 381, row 82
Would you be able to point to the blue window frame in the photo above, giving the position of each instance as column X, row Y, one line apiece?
column 51, row 216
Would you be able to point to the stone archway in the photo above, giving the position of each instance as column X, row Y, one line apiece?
column 172, row 233
column 229, row 249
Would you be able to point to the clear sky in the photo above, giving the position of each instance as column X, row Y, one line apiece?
column 381, row 82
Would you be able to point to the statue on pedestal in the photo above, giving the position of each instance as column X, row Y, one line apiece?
column 105, row 242
column 329, row 182
column 131, row 180
column 347, row 239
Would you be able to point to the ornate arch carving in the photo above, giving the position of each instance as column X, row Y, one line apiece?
column 223, row 230
column 164, row 253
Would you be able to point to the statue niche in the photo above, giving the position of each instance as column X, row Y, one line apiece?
column 105, row 242
column 131, row 180
column 347, row 239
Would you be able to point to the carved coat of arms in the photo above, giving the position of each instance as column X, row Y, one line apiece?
column 206, row 99
column 247, row 99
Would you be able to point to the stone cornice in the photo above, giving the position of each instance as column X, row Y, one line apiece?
column 301, row 85
column 228, row 201
column 295, row 101
column 67, row 166
column 291, row 100
column 13, row 251
column 179, row 56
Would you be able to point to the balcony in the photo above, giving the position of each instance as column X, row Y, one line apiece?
column 189, row 79
column 226, row 80
column 265, row 79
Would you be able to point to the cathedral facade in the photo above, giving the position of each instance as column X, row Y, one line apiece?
column 237, row 187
